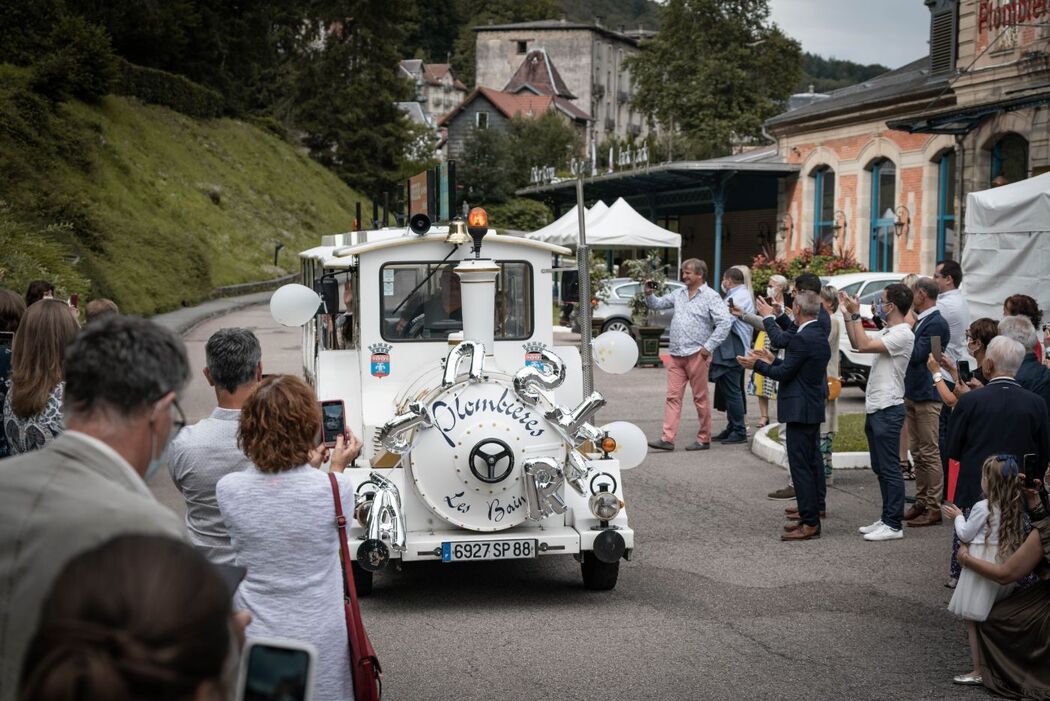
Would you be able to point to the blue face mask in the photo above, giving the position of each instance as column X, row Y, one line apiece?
column 880, row 311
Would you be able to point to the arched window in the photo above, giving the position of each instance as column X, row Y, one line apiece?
column 823, row 208
column 946, row 206
column 1009, row 159
column 883, row 202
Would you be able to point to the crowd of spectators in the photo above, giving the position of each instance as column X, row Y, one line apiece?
column 91, row 414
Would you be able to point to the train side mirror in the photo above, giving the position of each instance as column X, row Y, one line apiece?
column 327, row 287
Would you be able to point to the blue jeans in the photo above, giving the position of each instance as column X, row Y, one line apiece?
column 883, row 430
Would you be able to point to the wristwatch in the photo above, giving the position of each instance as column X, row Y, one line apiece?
column 854, row 316
column 937, row 377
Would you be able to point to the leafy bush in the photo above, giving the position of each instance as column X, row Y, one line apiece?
column 28, row 254
column 827, row 262
column 80, row 62
column 649, row 268
column 519, row 214
column 161, row 88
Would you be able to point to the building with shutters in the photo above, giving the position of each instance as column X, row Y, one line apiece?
column 591, row 59
column 885, row 165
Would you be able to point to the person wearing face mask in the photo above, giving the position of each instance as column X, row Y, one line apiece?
column 758, row 385
column 123, row 376
column 884, row 398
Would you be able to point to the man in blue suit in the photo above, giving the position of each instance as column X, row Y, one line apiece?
column 801, row 398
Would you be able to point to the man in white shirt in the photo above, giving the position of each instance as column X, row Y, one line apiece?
column 206, row 452
column 726, row 372
column 884, row 398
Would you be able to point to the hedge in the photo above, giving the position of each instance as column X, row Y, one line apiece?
column 162, row 88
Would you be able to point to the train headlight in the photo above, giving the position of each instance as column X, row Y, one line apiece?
column 605, row 506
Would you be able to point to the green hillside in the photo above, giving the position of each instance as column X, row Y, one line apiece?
column 150, row 207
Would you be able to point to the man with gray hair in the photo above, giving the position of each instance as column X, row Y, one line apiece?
column 1032, row 375
column 1000, row 418
column 123, row 376
column 207, row 451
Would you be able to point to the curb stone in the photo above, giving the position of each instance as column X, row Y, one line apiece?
column 775, row 453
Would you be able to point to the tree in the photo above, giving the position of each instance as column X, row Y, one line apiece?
column 714, row 73
column 546, row 140
column 343, row 88
column 484, row 168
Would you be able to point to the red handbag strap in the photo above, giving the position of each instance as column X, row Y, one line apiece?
column 344, row 547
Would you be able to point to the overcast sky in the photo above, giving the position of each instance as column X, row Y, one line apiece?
column 890, row 32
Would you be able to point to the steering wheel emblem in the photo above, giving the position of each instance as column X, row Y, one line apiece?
column 491, row 460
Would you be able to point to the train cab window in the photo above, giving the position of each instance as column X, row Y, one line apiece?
column 423, row 301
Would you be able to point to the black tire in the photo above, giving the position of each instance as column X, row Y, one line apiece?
column 617, row 324
column 598, row 575
column 362, row 580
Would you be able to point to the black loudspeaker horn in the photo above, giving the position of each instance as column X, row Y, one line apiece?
column 419, row 224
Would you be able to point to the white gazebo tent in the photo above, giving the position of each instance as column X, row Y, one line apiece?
column 564, row 231
column 619, row 226
column 1007, row 245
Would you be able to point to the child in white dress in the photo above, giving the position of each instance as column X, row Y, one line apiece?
column 993, row 530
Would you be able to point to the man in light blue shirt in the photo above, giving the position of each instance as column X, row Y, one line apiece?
column 700, row 323
column 726, row 372
column 206, row 452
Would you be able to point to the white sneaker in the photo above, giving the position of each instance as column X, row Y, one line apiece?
column 885, row 532
column 870, row 529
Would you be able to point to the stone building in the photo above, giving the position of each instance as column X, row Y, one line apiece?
column 885, row 165
column 591, row 61
column 437, row 89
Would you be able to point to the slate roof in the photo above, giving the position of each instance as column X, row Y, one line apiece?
column 910, row 81
column 538, row 74
column 525, row 104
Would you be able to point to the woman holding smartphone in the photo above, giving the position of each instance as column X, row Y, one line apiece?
column 282, row 526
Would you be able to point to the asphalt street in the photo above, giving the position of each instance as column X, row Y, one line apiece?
column 712, row 605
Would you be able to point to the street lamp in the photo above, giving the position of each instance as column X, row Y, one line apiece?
column 903, row 222
column 786, row 227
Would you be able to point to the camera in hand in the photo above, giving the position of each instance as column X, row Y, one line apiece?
column 964, row 371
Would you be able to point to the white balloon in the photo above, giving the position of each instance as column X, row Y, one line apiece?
column 615, row 352
column 631, row 445
column 294, row 305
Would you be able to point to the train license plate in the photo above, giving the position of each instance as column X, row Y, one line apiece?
column 488, row 550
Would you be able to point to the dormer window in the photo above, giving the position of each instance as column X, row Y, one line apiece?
column 944, row 26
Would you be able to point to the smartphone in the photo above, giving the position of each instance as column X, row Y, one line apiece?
column 333, row 420
column 1031, row 470
column 935, row 347
column 73, row 299
column 732, row 304
column 964, row 371
column 272, row 668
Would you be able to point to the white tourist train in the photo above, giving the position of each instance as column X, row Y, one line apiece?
column 437, row 348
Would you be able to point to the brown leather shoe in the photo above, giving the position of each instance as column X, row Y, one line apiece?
column 927, row 518
column 793, row 515
column 803, row 532
column 915, row 511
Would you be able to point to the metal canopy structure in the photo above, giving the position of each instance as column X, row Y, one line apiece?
column 960, row 121
column 739, row 182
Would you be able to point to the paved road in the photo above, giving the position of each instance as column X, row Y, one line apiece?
column 713, row 605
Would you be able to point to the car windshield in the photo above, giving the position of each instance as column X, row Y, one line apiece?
column 423, row 301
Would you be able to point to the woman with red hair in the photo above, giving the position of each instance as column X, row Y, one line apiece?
column 281, row 520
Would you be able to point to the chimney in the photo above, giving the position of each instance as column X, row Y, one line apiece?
column 478, row 278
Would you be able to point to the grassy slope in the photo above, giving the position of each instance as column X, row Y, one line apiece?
column 139, row 196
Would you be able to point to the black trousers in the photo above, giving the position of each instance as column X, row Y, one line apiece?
column 807, row 470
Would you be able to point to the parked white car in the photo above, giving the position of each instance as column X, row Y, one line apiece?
column 614, row 312
column 854, row 367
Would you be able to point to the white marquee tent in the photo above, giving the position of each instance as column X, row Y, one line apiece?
column 1007, row 249
column 565, row 230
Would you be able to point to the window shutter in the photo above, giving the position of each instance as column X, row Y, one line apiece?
column 943, row 28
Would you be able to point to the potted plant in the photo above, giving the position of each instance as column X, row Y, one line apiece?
column 648, row 269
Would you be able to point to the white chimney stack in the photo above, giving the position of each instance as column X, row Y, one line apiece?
column 478, row 278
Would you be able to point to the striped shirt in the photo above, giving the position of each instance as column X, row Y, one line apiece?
column 700, row 321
